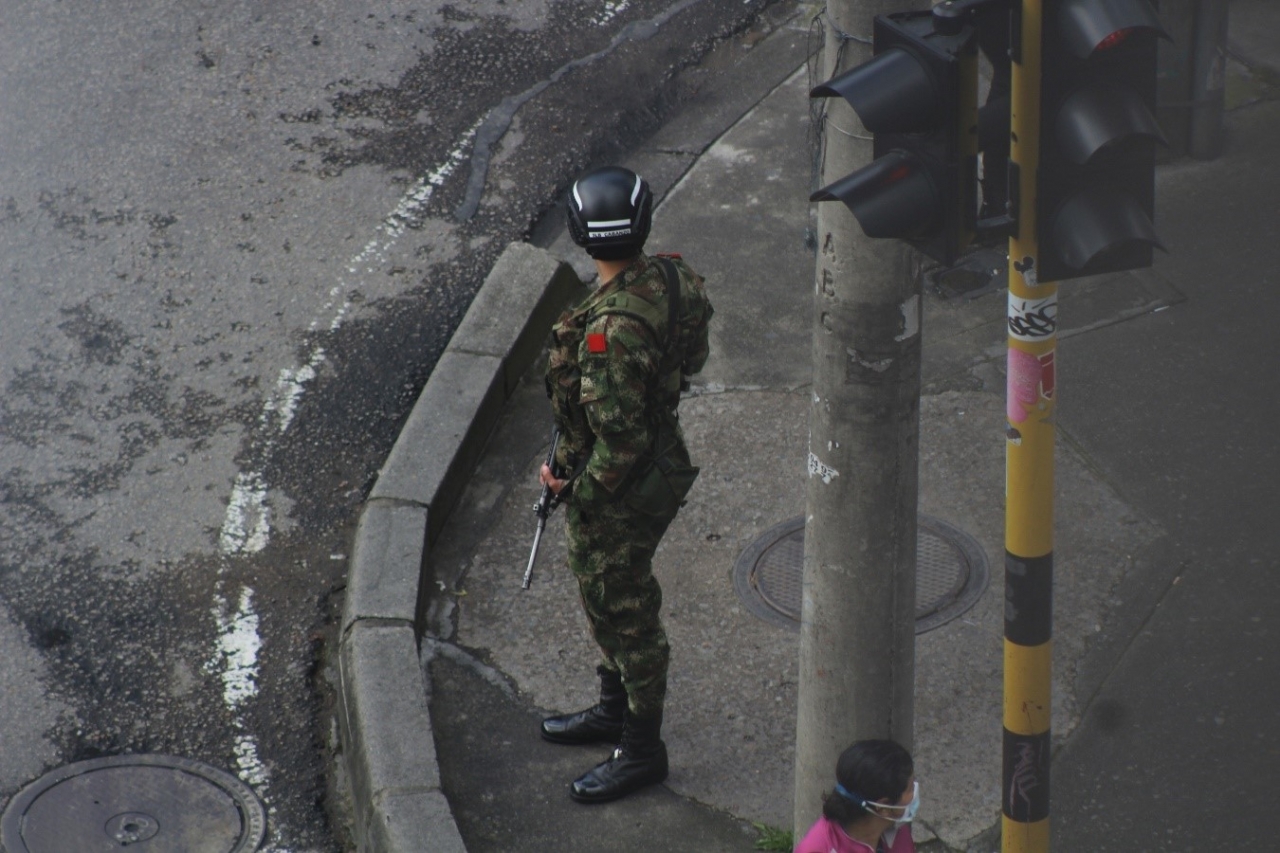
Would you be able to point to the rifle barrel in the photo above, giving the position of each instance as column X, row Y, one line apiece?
column 546, row 503
column 533, row 555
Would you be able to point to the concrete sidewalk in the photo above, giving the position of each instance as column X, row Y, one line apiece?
column 733, row 173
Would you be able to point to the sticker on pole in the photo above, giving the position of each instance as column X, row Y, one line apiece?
column 1030, row 385
column 1033, row 320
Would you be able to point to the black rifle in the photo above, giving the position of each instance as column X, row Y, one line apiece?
column 547, row 502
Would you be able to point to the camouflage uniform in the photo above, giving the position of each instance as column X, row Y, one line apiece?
column 614, row 378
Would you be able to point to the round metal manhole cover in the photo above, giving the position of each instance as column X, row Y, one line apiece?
column 156, row 802
column 951, row 573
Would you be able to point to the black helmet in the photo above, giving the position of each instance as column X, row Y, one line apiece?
column 610, row 210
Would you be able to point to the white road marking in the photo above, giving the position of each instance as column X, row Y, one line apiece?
column 237, row 667
column 246, row 528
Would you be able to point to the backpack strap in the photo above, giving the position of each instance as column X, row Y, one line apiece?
column 674, row 382
column 673, row 296
column 635, row 307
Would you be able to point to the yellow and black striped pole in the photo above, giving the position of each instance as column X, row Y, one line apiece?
column 1028, row 626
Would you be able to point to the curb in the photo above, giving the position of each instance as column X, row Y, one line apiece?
column 385, row 730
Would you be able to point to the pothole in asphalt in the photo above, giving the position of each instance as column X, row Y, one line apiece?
column 951, row 573
column 156, row 802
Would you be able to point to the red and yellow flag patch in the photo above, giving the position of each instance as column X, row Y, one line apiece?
column 596, row 342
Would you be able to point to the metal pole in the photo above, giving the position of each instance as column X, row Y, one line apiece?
column 1173, row 77
column 857, row 635
column 1208, row 79
column 1031, row 397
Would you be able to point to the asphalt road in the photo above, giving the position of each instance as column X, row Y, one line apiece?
column 234, row 238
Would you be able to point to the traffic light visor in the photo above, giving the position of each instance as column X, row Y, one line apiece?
column 1098, row 222
column 891, row 93
column 893, row 196
column 1090, row 24
column 1094, row 118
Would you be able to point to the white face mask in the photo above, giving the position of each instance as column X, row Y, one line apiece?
column 909, row 811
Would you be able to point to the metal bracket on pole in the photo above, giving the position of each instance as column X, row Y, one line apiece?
column 1005, row 224
column 951, row 17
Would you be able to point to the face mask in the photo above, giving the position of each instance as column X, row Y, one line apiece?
column 908, row 811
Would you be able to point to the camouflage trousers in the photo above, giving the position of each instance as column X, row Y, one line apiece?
column 611, row 550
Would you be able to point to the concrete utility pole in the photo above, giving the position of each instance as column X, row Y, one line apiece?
column 857, row 635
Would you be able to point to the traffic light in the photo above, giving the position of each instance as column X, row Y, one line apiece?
column 918, row 96
column 1095, row 190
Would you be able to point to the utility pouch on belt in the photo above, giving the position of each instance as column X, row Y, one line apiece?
column 663, row 484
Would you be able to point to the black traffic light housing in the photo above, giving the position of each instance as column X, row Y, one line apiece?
column 918, row 96
column 1095, row 190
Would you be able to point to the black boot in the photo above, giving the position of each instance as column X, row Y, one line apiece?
column 640, row 760
column 601, row 723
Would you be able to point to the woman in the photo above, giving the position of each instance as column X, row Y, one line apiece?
column 874, row 801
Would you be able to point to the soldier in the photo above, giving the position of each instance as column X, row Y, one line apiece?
column 618, row 364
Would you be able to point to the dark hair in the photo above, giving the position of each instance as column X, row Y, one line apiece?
column 876, row 770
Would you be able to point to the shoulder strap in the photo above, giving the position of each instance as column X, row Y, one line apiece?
column 630, row 305
column 673, row 295
column 644, row 310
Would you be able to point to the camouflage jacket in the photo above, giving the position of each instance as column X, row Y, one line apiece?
column 613, row 378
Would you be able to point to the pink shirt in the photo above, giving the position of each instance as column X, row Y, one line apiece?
column 827, row 837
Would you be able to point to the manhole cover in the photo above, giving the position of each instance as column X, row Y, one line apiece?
column 154, row 801
column 951, row 573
